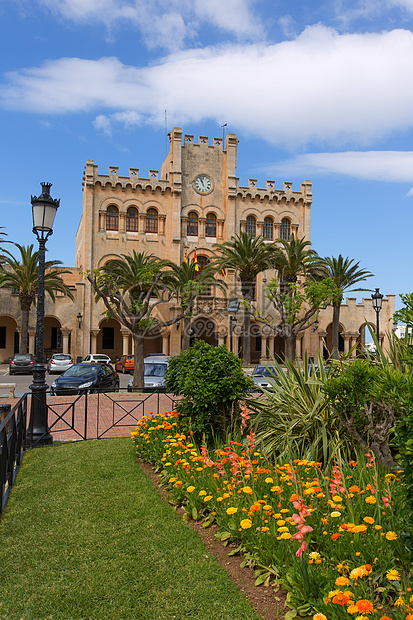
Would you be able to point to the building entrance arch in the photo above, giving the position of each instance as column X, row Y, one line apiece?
column 9, row 337
column 204, row 329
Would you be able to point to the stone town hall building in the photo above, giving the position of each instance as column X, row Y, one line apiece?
column 195, row 200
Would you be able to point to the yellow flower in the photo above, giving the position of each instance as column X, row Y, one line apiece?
column 281, row 522
column 370, row 499
column 377, row 527
column 265, row 529
column 201, row 493
column 190, row 489
column 285, row 535
column 269, row 480
column 246, row 524
column 232, row 510
column 393, row 575
column 282, row 529
column 336, row 514
column 207, row 498
column 337, row 498
column 319, row 617
column 391, row 535
column 172, row 480
column 267, row 507
column 247, row 490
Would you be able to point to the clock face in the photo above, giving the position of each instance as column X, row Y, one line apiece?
column 203, row 184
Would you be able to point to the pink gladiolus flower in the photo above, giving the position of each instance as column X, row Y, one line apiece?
column 301, row 550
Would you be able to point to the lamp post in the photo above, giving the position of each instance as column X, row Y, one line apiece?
column 377, row 302
column 44, row 209
column 233, row 307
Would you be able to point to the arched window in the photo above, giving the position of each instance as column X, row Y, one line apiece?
column 192, row 230
column 268, row 230
column 132, row 219
column 152, row 221
column 285, row 229
column 251, row 227
column 112, row 218
column 211, row 225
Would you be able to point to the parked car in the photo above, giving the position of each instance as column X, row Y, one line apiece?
column 260, row 376
column 21, row 363
column 155, row 367
column 86, row 377
column 315, row 370
column 59, row 362
column 125, row 364
column 97, row 358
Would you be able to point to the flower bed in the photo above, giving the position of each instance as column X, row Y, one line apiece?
column 331, row 538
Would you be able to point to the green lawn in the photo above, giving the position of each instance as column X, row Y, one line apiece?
column 85, row 535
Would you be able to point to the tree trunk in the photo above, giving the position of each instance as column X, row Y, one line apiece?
column 186, row 341
column 335, row 353
column 24, row 339
column 138, row 370
column 247, row 337
column 289, row 346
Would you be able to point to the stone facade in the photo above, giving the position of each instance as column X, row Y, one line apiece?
column 193, row 202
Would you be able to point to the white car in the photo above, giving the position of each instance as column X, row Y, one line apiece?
column 59, row 362
column 97, row 358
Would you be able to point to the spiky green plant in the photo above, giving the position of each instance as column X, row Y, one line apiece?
column 293, row 416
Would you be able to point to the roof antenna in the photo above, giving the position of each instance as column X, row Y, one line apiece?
column 166, row 133
column 223, row 135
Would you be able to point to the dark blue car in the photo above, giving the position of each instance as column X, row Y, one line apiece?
column 86, row 377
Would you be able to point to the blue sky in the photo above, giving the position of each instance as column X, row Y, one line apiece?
column 314, row 90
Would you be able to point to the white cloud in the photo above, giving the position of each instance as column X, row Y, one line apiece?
column 389, row 166
column 162, row 23
column 105, row 123
column 322, row 87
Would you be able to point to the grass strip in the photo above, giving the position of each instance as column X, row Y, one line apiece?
column 85, row 535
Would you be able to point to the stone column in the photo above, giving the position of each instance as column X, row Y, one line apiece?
column 165, row 343
column 263, row 348
column 346, row 338
column 65, row 336
column 270, row 346
column 94, row 340
column 32, row 337
column 125, row 341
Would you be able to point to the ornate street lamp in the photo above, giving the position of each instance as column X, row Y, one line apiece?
column 377, row 302
column 44, row 210
column 233, row 307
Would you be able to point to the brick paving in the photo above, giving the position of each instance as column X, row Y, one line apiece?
column 72, row 418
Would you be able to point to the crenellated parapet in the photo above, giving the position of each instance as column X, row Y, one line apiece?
column 269, row 193
column 112, row 181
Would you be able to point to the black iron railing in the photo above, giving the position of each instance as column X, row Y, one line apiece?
column 12, row 447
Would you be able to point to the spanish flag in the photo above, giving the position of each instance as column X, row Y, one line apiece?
column 223, row 272
column 195, row 261
column 186, row 256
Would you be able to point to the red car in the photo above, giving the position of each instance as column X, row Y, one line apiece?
column 126, row 364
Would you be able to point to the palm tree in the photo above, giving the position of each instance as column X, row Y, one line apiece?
column 344, row 274
column 188, row 282
column 130, row 287
column 22, row 274
column 247, row 256
column 295, row 259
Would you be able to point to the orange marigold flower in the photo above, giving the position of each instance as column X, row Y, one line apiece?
column 370, row 499
column 386, row 618
column 364, row 606
column 342, row 598
column 335, row 536
column 246, row 524
column 319, row 617
column 342, row 581
column 368, row 520
column 391, row 536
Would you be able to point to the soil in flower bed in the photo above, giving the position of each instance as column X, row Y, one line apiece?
column 269, row 605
